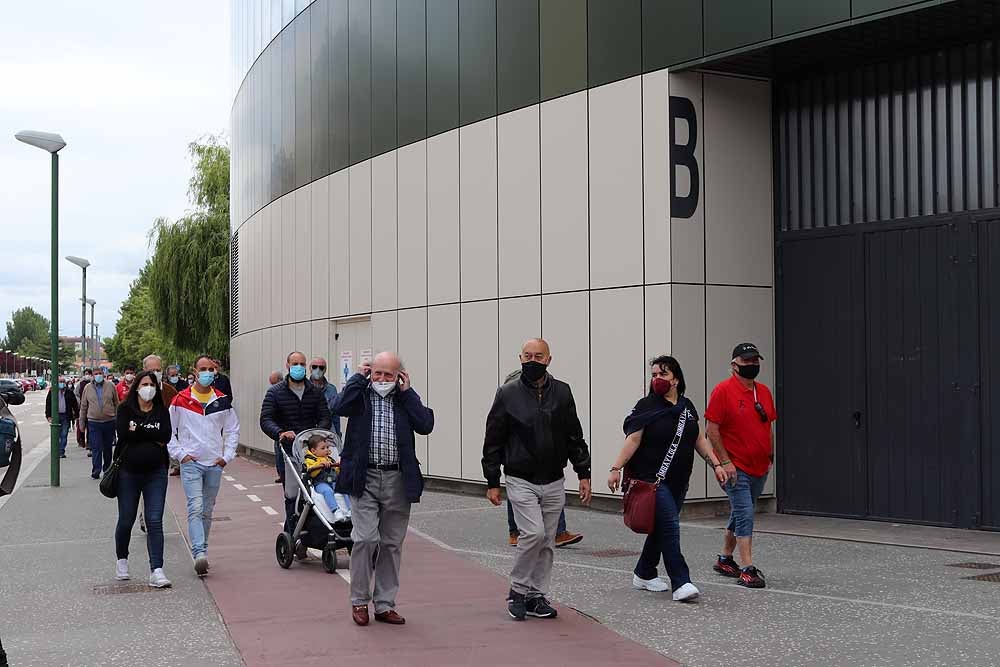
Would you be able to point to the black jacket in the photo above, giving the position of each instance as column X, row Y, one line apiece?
column 532, row 431
column 282, row 410
column 72, row 405
column 221, row 383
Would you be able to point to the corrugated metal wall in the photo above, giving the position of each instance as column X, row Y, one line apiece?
column 909, row 137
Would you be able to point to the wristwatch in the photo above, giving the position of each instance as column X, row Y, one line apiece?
column 615, row 469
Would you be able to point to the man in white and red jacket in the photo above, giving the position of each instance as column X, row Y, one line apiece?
column 205, row 434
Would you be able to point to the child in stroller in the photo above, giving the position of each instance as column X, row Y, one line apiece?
column 323, row 465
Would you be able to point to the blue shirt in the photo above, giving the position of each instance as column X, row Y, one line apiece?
column 330, row 394
column 99, row 388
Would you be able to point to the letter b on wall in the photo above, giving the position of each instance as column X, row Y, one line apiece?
column 682, row 156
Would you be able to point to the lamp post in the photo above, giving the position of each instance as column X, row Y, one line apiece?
column 52, row 144
column 83, row 264
column 91, row 303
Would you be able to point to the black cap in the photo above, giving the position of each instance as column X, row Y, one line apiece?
column 746, row 351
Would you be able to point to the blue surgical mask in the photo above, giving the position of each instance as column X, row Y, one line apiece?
column 206, row 378
column 297, row 372
column 62, row 385
column 99, row 379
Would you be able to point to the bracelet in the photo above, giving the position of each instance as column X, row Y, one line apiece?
column 724, row 463
column 716, row 465
column 615, row 469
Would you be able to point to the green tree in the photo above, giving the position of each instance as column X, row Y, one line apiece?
column 138, row 332
column 188, row 274
column 26, row 326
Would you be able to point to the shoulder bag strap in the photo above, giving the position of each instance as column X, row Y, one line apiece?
column 681, row 423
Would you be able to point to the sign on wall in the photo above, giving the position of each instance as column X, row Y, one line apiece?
column 346, row 364
column 683, row 155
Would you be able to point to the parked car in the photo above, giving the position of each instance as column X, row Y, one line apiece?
column 10, row 435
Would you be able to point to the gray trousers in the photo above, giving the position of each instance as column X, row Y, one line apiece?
column 536, row 512
column 381, row 516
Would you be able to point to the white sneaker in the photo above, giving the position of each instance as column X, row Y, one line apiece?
column 685, row 593
column 121, row 569
column 339, row 515
column 158, row 580
column 656, row 585
column 201, row 565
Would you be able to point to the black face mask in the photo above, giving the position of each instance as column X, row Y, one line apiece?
column 533, row 371
column 748, row 372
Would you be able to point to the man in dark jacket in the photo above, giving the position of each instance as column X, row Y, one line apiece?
column 379, row 468
column 290, row 407
column 69, row 410
column 531, row 430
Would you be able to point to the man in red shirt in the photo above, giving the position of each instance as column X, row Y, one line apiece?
column 738, row 418
column 126, row 382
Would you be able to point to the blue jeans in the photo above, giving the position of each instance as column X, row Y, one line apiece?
column 153, row 488
column 665, row 540
column 743, row 494
column 63, row 432
column 101, row 436
column 512, row 525
column 327, row 491
column 201, row 486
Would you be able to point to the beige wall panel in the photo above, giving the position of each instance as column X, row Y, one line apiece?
column 412, row 226
column 617, row 369
column 566, row 327
column 565, row 209
column 384, row 257
column 656, row 176
column 360, row 177
column 519, row 202
column 657, row 321
column 478, row 209
column 737, row 315
column 520, row 319
column 303, row 252
column 412, row 327
column 289, row 247
column 616, row 184
column 442, row 218
column 384, row 332
column 319, row 345
column 687, row 235
column 275, row 253
column 480, row 324
column 444, row 393
column 340, row 246
column 319, row 247
column 739, row 217
column 687, row 317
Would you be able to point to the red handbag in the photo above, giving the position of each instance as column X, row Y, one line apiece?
column 640, row 497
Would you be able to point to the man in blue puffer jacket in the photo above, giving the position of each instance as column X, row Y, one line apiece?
column 379, row 468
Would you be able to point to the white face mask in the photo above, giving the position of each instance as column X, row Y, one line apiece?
column 146, row 392
column 129, row 377
column 159, row 376
column 383, row 388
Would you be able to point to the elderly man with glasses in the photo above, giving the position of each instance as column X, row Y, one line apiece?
column 317, row 376
column 738, row 424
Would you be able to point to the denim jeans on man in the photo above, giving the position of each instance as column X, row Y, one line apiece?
column 743, row 493
column 665, row 540
column 153, row 487
column 101, row 437
column 512, row 525
column 64, row 423
column 201, row 486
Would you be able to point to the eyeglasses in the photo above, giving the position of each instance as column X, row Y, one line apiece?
column 321, row 368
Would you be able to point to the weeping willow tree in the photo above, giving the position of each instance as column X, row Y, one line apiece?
column 188, row 273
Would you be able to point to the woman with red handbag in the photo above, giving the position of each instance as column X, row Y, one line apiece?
column 662, row 434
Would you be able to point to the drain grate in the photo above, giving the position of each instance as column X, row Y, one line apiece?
column 993, row 577
column 611, row 553
column 120, row 589
column 976, row 566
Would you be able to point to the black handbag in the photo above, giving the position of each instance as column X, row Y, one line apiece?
column 109, row 480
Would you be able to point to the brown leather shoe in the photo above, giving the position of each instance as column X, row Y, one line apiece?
column 512, row 540
column 566, row 538
column 390, row 617
column 360, row 614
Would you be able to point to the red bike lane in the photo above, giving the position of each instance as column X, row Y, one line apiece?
column 453, row 607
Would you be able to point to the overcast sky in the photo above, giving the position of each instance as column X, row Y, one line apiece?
column 128, row 84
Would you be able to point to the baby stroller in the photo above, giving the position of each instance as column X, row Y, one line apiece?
column 313, row 522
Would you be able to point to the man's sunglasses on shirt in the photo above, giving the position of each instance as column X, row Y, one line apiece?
column 760, row 411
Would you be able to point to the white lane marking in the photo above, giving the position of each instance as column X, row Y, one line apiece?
column 777, row 591
column 281, row 523
column 239, row 487
column 487, row 508
column 264, row 486
column 344, row 574
column 29, row 462
column 229, row 478
column 253, row 497
column 270, row 510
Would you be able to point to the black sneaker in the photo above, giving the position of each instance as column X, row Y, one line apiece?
column 751, row 577
column 540, row 608
column 726, row 566
column 516, row 606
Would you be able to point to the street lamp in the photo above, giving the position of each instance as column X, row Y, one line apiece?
column 91, row 351
column 83, row 264
column 52, row 144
